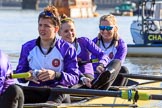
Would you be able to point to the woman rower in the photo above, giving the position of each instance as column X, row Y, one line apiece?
column 85, row 47
column 51, row 61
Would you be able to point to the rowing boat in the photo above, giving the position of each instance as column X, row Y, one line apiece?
column 142, row 93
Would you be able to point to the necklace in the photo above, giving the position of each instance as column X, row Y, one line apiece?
column 47, row 50
column 103, row 44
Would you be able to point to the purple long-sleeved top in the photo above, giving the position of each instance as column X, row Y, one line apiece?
column 114, row 52
column 85, row 47
column 5, row 70
column 61, row 58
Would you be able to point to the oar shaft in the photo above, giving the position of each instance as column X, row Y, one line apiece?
column 139, row 76
column 91, row 92
column 122, row 94
column 155, row 97
column 88, row 92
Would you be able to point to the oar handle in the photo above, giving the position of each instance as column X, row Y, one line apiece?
column 94, row 60
column 20, row 75
column 90, row 61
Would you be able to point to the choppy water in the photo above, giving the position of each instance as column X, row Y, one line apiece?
column 18, row 26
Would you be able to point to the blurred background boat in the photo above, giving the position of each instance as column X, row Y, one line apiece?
column 132, row 8
column 125, row 9
column 76, row 8
column 146, row 31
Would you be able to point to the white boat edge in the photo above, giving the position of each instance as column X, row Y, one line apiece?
column 144, row 50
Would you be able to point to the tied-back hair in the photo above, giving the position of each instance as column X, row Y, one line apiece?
column 110, row 18
column 52, row 13
column 65, row 19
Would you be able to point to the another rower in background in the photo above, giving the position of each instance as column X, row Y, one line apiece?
column 84, row 48
column 11, row 95
column 112, row 44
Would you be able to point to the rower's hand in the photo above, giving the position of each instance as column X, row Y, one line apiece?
column 46, row 74
column 86, row 81
column 100, row 68
column 32, row 78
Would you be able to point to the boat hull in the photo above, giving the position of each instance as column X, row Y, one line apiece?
column 140, row 50
column 76, row 8
column 122, row 13
column 78, row 12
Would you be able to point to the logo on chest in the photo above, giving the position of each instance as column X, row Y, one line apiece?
column 56, row 62
column 111, row 55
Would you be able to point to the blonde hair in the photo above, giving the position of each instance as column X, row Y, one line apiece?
column 66, row 19
column 111, row 18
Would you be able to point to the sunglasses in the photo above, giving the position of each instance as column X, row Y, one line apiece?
column 46, row 14
column 108, row 28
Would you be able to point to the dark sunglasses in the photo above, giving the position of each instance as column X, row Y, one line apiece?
column 108, row 28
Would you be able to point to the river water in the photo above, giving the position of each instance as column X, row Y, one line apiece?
column 19, row 26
